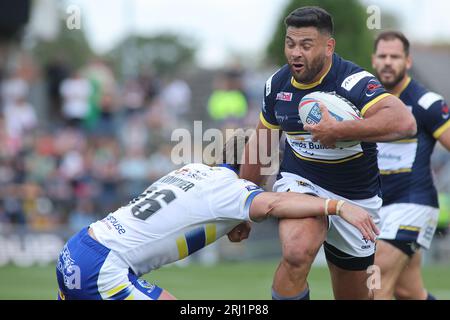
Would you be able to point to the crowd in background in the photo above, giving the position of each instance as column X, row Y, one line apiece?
column 95, row 140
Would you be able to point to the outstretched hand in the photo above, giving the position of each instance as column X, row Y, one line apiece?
column 361, row 219
column 324, row 131
column 240, row 232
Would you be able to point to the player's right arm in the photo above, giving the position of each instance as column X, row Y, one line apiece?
column 260, row 143
column 291, row 205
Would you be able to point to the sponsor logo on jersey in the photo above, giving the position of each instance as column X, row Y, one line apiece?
column 281, row 118
column 353, row 79
column 252, row 187
column 304, row 184
column 445, row 111
column 428, row 99
column 284, row 96
column 366, row 245
column 372, row 87
column 145, row 284
column 110, row 219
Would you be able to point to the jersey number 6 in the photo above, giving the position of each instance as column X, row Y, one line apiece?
column 149, row 205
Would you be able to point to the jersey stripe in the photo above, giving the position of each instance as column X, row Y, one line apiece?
column 195, row 239
column 373, row 101
column 358, row 155
column 267, row 124
column 210, row 231
column 386, row 172
column 182, row 247
column 304, row 86
column 441, row 130
column 250, row 198
column 408, row 80
column 404, row 141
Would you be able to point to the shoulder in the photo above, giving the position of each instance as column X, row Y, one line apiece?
column 277, row 79
column 421, row 96
column 349, row 74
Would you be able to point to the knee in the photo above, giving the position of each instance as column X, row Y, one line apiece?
column 406, row 294
column 298, row 256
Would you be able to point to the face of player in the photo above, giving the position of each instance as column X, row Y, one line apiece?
column 390, row 62
column 306, row 51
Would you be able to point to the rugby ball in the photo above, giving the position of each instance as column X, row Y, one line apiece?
column 338, row 107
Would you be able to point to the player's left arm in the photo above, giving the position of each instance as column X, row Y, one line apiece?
column 292, row 205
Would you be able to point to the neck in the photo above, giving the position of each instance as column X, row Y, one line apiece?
column 399, row 87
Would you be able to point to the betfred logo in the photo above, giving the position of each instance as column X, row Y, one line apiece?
column 372, row 87
column 445, row 110
column 284, row 96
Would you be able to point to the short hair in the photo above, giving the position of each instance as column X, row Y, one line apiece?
column 392, row 35
column 310, row 17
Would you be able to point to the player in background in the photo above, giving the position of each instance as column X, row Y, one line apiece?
column 177, row 215
column 311, row 164
column 410, row 202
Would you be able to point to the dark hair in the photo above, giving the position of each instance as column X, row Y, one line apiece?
column 310, row 17
column 392, row 35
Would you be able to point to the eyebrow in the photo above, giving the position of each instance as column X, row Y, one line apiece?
column 302, row 40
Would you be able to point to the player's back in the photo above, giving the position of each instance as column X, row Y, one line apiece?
column 177, row 215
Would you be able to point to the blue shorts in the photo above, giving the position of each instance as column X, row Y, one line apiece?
column 88, row 270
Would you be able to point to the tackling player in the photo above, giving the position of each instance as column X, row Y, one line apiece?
column 410, row 202
column 177, row 215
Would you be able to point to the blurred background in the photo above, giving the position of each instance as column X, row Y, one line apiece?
column 91, row 91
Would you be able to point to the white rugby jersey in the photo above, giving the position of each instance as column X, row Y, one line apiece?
column 177, row 215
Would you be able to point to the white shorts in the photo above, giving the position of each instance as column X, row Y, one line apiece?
column 409, row 222
column 341, row 234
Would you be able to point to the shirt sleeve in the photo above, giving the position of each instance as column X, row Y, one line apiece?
column 434, row 114
column 234, row 200
column 363, row 89
column 267, row 115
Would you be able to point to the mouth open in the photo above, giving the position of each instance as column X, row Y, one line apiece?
column 297, row 67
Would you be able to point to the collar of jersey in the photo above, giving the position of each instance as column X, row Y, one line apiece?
column 225, row 165
column 305, row 86
column 403, row 87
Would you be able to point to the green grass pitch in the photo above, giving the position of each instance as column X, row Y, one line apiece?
column 228, row 281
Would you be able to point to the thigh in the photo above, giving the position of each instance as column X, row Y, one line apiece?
column 349, row 285
column 296, row 234
column 391, row 261
column 299, row 233
column 410, row 283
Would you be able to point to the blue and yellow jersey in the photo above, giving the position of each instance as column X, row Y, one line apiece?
column 405, row 164
column 350, row 172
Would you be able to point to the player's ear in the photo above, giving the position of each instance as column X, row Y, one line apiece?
column 409, row 62
column 331, row 43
